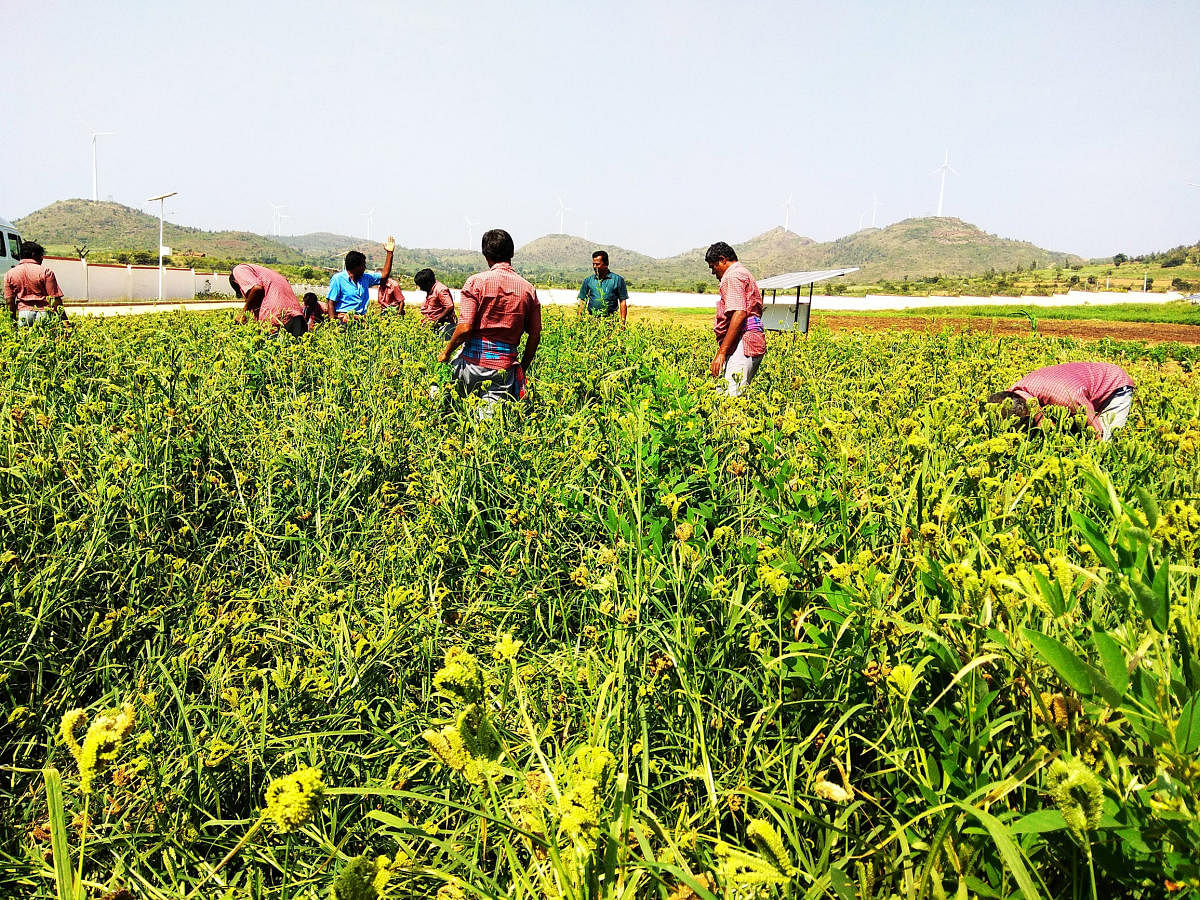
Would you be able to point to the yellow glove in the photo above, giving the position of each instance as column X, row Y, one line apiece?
column 390, row 244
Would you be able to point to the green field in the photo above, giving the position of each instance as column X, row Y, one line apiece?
column 275, row 623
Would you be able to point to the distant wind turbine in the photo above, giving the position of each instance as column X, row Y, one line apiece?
column 471, row 223
column 586, row 225
column 875, row 204
column 787, row 214
column 944, row 169
column 563, row 209
column 276, row 215
column 282, row 216
column 370, row 216
column 95, row 170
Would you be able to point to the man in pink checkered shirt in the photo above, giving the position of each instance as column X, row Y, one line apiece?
column 741, row 339
column 1103, row 392
column 31, row 291
column 497, row 307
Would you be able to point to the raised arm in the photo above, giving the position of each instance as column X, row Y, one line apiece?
column 390, row 247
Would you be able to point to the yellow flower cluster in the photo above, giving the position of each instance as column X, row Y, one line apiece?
column 293, row 800
column 580, row 808
column 101, row 743
column 362, row 879
column 1077, row 793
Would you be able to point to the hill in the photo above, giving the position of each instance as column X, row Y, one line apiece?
column 914, row 248
column 63, row 225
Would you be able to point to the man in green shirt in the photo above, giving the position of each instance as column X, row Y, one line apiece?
column 604, row 292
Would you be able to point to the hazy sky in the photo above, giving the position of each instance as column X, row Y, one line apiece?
column 666, row 125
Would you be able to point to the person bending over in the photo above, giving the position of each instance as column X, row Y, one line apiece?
column 269, row 298
column 1103, row 392
column 438, row 309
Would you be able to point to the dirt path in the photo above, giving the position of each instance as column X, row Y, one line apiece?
column 1082, row 329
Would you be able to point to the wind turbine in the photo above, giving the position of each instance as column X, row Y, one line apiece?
column 563, row 209
column 787, row 214
column 95, row 171
column 875, row 204
column 282, row 216
column 370, row 215
column 276, row 215
column 471, row 223
column 586, row 224
column 944, row 169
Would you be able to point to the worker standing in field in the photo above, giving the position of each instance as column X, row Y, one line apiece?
column 741, row 340
column 603, row 292
column 350, row 291
column 1103, row 392
column 31, row 291
column 497, row 307
column 438, row 309
column 269, row 298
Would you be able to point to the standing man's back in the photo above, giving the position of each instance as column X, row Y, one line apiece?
column 31, row 291
column 496, row 308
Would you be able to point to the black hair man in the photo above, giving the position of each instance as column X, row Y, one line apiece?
column 603, row 292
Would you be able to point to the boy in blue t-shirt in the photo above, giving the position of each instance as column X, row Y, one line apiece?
column 350, row 291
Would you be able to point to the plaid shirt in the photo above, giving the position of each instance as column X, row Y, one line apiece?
column 500, row 306
column 739, row 291
column 1078, row 386
column 31, row 285
column 438, row 305
column 279, row 303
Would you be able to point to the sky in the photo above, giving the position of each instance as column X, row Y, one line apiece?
column 664, row 125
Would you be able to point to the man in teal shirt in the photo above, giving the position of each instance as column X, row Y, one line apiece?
column 604, row 291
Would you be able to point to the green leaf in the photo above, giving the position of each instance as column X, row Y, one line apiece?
column 64, row 878
column 1051, row 592
column 1148, row 504
column 1098, row 543
column 1162, row 590
column 1112, row 660
column 1070, row 667
column 1039, row 822
column 1008, row 849
column 1187, row 731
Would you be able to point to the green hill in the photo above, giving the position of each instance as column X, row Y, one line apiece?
column 106, row 226
column 914, row 248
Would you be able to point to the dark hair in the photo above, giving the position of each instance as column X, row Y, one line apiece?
column 1011, row 404
column 32, row 250
column 310, row 297
column 237, row 291
column 603, row 254
column 354, row 259
column 497, row 245
column 425, row 279
column 720, row 250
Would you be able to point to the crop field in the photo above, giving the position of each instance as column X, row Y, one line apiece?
column 275, row 623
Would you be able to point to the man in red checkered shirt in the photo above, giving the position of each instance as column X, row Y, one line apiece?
column 1103, row 392
column 496, row 308
column 741, row 339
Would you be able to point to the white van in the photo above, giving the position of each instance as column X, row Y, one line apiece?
column 10, row 246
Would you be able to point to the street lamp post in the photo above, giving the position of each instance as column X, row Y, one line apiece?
column 161, row 198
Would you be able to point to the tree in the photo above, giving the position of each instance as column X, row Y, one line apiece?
column 1120, row 258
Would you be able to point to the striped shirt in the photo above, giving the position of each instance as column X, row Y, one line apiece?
column 500, row 306
column 1079, row 386
column 31, row 284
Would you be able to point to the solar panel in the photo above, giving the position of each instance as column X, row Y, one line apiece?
column 799, row 279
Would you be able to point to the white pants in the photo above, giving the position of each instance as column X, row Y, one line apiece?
column 740, row 370
column 1115, row 412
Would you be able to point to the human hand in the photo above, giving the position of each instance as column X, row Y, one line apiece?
column 390, row 244
column 718, row 364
